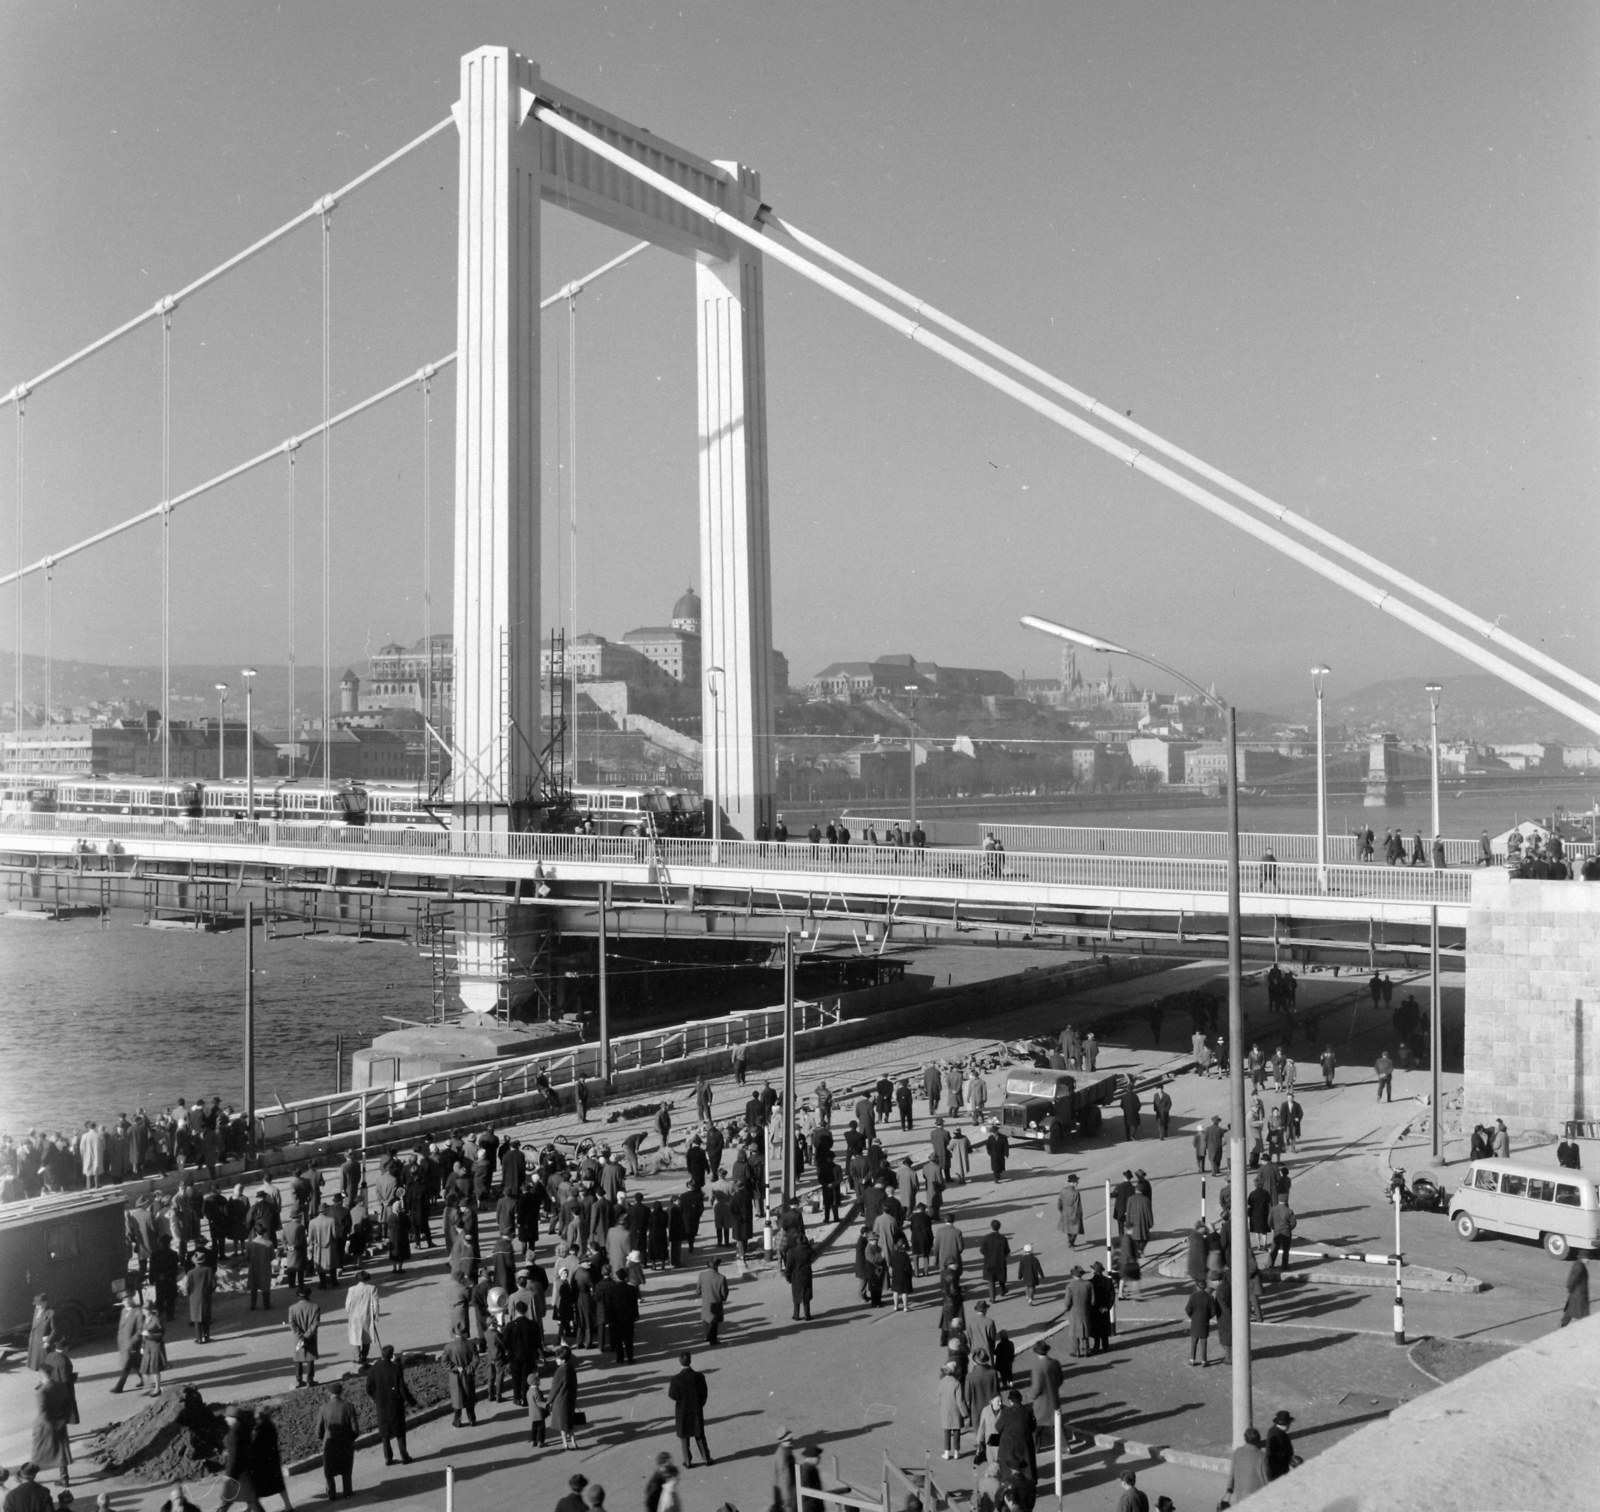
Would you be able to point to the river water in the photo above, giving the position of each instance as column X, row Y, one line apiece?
column 96, row 1022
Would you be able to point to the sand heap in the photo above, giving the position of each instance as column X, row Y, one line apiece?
column 177, row 1437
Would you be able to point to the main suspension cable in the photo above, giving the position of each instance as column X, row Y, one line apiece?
column 1146, row 437
column 233, row 262
column 1377, row 598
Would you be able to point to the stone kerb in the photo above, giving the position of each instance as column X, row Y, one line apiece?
column 1532, row 989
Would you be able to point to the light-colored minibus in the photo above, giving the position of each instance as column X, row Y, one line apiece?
column 1558, row 1207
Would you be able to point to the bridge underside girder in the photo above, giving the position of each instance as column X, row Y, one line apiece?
column 870, row 919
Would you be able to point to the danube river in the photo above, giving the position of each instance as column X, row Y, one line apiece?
column 97, row 1022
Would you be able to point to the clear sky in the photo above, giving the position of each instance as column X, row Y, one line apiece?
column 1346, row 251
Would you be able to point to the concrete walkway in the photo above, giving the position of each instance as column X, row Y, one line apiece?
column 857, row 1382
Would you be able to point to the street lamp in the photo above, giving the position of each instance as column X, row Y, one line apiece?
column 1239, row 1238
column 249, row 676
column 222, row 732
column 714, row 683
column 911, row 688
column 1433, row 691
column 1435, row 1017
column 1317, row 674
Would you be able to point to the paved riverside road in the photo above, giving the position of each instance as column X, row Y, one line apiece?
column 858, row 1382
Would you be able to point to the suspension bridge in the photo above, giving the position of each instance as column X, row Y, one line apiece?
column 523, row 141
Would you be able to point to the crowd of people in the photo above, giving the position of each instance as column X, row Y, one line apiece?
column 199, row 1134
column 522, row 1328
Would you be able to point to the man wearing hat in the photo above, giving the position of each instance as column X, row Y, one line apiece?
column 28, row 1495
column 337, row 1427
column 999, row 1147
column 386, row 1385
column 1280, row 1447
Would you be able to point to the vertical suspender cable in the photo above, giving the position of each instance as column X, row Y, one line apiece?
column 572, row 500
column 22, row 407
column 166, row 547
column 327, row 532
column 427, row 572
column 289, row 449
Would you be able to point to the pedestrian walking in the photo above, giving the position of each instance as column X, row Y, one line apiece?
column 303, row 1323
column 202, row 1292
column 1577, row 1307
column 1130, row 1113
column 999, row 1148
column 1069, row 1206
column 1080, row 1305
column 337, row 1427
column 564, row 1414
column 386, row 1385
column 1044, row 1390
column 361, row 1311
column 153, row 1344
column 54, row 1413
column 688, row 1394
column 1385, row 1069
column 265, row 1459
column 1248, row 1472
column 1201, row 1309
column 130, row 1327
column 1281, row 1458
column 713, row 1298
column 952, row 1410
column 1330, row 1063
column 1283, row 1223
column 1161, row 1106
column 461, row 1360
column 996, row 1252
column 1030, row 1273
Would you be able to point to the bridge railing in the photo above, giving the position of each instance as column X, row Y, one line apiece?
column 815, row 867
column 1090, row 840
column 402, row 1100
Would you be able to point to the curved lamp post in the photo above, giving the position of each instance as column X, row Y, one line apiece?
column 1239, row 1246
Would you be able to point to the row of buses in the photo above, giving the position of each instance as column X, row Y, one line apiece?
column 595, row 810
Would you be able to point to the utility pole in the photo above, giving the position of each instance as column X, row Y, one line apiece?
column 1317, row 674
column 1435, row 1017
column 249, row 1035
column 605, row 1009
column 788, row 1066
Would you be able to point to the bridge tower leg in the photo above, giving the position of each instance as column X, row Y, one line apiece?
column 497, row 505
column 735, row 550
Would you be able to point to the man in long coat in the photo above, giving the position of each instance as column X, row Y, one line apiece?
column 322, row 1246
column 461, row 1360
column 1080, row 1307
column 1069, row 1204
column 713, row 1297
column 687, row 1392
column 361, row 1311
column 386, row 1385
column 336, row 1429
column 1140, row 1220
column 303, row 1322
column 202, row 1289
column 1044, row 1390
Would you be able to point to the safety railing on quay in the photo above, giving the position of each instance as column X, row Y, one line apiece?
column 403, row 1101
column 1087, row 840
column 819, row 865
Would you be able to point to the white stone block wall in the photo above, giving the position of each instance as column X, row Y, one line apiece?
column 1533, row 1003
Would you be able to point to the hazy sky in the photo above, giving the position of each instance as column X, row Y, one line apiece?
column 1347, row 252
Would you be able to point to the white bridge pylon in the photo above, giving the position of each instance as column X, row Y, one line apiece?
column 510, row 163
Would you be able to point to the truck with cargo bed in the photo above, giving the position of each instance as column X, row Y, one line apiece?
column 73, row 1248
column 1047, row 1108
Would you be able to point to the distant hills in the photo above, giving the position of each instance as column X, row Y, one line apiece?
column 1476, row 707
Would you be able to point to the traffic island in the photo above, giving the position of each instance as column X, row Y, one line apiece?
column 1329, row 1269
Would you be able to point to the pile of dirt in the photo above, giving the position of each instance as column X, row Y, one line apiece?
column 297, row 1410
column 180, row 1436
column 176, row 1438
column 1446, row 1359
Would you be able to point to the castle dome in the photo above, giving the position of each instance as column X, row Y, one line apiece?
column 686, row 612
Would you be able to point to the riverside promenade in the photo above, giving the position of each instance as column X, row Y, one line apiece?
column 857, row 1382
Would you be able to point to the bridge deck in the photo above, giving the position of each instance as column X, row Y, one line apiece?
column 936, row 876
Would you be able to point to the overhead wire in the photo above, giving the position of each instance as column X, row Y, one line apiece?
column 1377, row 598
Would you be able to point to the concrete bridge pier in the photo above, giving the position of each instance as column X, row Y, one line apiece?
column 500, row 963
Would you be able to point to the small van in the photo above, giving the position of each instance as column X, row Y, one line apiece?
column 1558, row 1207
